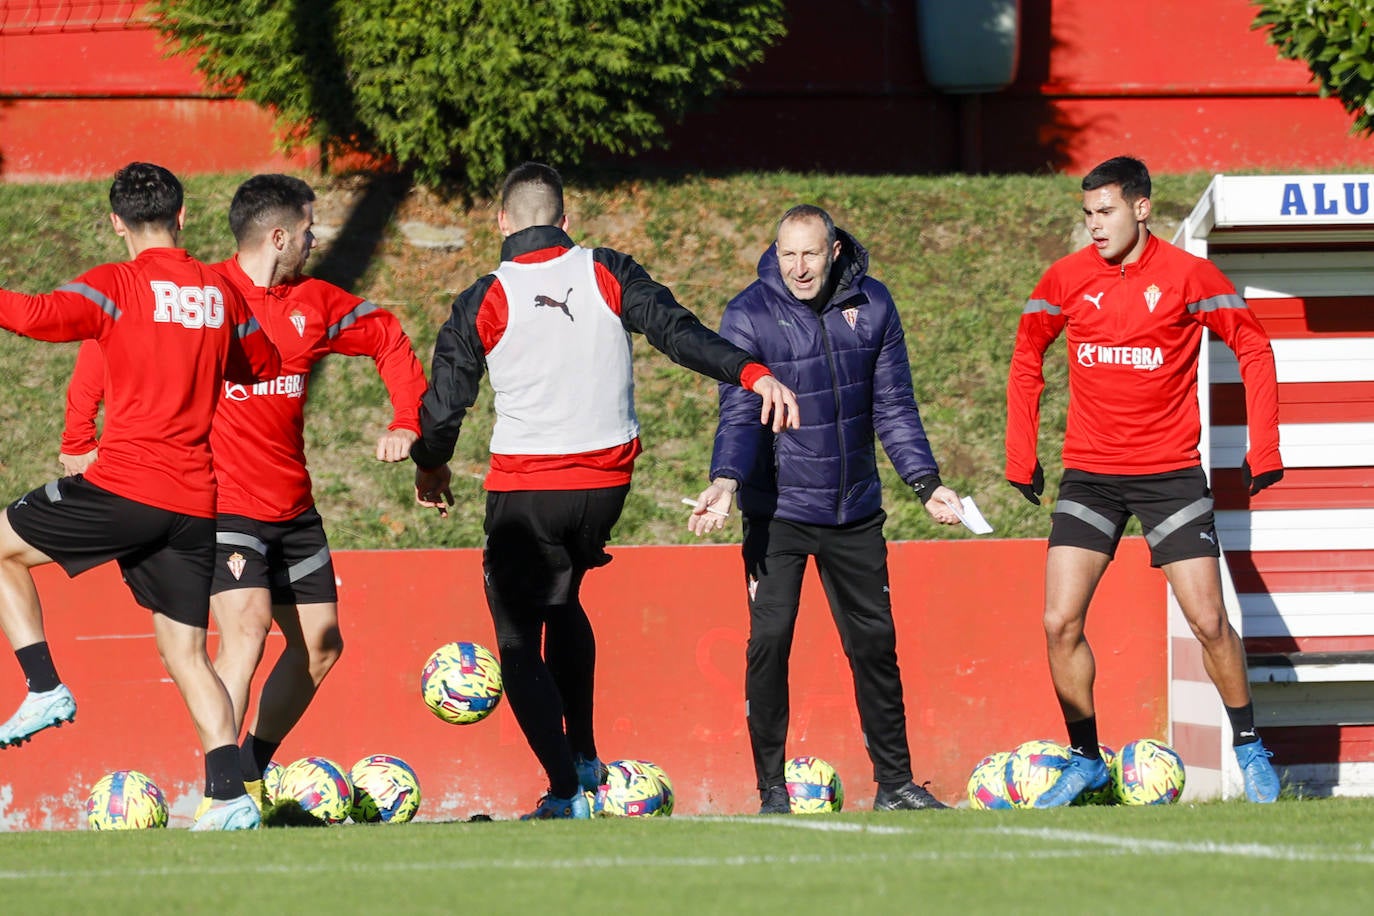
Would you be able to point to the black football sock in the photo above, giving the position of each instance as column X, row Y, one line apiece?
column 223, row 780
column 38, row 667
column 1083, row 738
column 892, row 786
column 1242, row 724
column 255, row 755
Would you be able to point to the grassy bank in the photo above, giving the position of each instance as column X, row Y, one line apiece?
column 959, row 254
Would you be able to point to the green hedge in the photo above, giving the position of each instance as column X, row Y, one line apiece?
column 449, row 88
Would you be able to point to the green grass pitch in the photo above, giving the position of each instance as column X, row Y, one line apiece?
column 1309, row 857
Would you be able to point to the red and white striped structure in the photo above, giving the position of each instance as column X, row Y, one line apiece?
column 1298, row 558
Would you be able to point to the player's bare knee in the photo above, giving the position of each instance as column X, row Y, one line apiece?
column 1062, row 630
column 325, row 652
column 1211, row 630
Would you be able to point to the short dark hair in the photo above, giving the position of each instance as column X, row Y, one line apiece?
column 811, row 211
column 144, row 195
column 1128, row 173
column 532, row 195
column 264, row 201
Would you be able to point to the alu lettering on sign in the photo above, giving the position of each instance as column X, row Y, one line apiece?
column 1351, row 198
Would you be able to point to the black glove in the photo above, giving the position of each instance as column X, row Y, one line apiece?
column 1255, row 484
column 1036, row 486
column 926, row 486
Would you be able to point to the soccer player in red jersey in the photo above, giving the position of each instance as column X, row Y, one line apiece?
column 172, row 331
column 1133, row 308
column 273, row 558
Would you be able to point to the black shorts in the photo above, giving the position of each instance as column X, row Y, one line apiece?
column 541, row 542
column 1174, row 508
column 291, row 558
column 166, row 557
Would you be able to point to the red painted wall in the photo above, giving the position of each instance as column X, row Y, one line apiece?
column 671, row 625
column 1185, row 84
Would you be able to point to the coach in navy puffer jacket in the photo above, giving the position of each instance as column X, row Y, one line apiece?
column 831, row 334
column 849, row 367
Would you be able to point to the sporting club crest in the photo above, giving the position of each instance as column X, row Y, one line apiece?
column 298, row 322
column 1152, row 295
column 236, row 564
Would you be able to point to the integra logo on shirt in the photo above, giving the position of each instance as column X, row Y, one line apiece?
column 1147, row 358
column 292, row 386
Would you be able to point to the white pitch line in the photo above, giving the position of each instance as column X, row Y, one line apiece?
column 803, row 823
column 1168, row 847
column 488, row 865
column 1084, row 838
column 1084, row 843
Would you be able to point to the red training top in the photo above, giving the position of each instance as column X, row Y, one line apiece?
column 258, row 436
column 1134, row 332
column 172, row 330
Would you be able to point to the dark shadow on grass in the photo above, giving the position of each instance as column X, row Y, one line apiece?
column 289, row 813
column 346, row 260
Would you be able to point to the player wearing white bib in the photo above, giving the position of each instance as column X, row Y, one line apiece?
column 551, row 326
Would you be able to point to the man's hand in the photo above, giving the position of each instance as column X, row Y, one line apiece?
column 941, row 505
column 779, row 404
column 1033, row 489
column 394, row 444
column 73, row 465
column 712, row 508
column 432, row 490
column 1255, row 484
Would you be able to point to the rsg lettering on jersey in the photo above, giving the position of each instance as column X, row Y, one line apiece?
column 189, row 306
column 1147, row 358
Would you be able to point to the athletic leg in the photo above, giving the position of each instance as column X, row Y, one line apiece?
column 519, row 571
column 243, row 617
column 1197, row 585
column 1071, row 577
column 47, row 702
column 21, row 615
column 313, row 645
column 569, row 640
column 182, row 648
column 570, row 653
column 1183, row 544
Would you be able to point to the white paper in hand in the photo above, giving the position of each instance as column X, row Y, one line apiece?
column 973, row 519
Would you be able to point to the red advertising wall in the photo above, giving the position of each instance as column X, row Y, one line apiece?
column 671, row 625
column 1185, row 84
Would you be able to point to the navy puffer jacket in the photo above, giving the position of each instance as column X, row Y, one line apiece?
column 848, row 366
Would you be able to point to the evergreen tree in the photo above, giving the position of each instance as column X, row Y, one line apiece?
column 470, row 88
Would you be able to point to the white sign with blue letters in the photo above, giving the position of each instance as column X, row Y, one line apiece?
column 1281, row 200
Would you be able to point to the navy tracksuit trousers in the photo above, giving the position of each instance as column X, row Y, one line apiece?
column 852, row 562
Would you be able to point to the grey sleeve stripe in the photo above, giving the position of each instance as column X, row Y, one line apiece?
column 1227, row 301
column 362, row 309
column 1039, row 305
column 310, row 564
column 247, row 327
column 90, row 292
column 239, row 539
column 1176, row 521
column 1084, row 514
